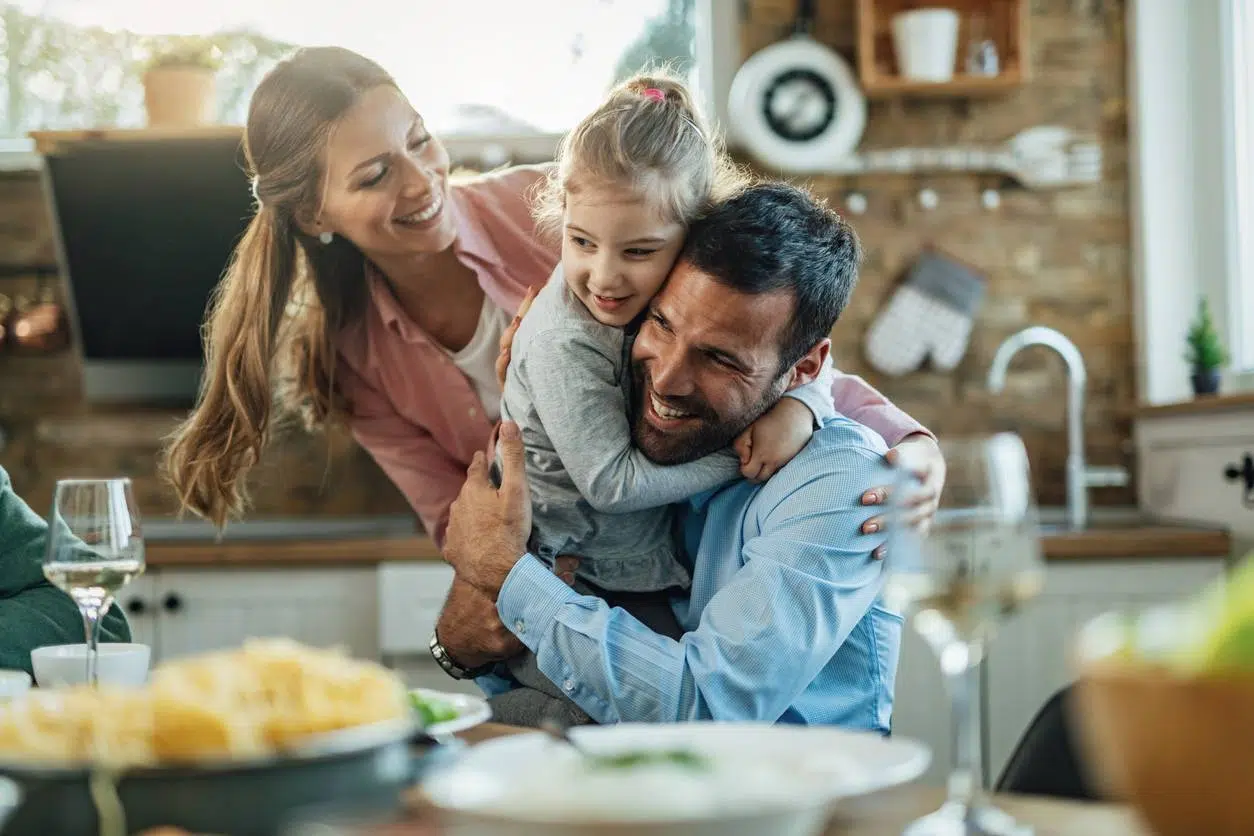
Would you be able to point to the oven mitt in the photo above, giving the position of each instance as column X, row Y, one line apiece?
column 931, row 314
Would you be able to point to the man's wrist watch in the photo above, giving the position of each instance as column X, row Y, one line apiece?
column 450, row 667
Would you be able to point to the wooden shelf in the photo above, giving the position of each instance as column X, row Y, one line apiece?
column 1005, row 23
column 887, row 87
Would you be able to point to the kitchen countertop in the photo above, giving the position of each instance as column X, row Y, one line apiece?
column 1116, row 537
column 1136, row 540
column 1200, row 406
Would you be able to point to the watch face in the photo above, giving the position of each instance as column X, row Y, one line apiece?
column 799, row 105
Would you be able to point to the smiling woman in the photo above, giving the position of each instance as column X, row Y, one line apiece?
column 361, row 251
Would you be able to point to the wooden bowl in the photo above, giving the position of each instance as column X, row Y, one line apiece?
column 1179, row 749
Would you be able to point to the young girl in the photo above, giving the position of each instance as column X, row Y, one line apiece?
column 630, row 178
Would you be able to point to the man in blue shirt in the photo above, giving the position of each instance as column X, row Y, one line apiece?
column 784, row 620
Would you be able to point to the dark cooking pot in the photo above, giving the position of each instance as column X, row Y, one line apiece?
column 364, row 767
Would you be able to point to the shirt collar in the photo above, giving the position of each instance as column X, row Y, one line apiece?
column 699, row 501
column 390, row 311
column 472, row 239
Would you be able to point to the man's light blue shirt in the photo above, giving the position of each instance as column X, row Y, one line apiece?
column 784, row 623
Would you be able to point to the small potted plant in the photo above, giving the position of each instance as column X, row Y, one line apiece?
column 1205, row 355
column 179, row 83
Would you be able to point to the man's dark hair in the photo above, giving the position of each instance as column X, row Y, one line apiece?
column 773, row 237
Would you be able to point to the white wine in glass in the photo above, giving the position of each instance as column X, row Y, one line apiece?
column 979, row 563
column 95, row 547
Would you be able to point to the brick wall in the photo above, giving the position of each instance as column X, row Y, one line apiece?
column 1057, row 259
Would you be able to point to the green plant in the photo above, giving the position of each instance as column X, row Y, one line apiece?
column 1205, row 351
column 185, row 52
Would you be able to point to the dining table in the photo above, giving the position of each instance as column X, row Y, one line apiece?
column 884, row 813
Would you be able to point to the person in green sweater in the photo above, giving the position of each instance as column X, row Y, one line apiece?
column 33, row 612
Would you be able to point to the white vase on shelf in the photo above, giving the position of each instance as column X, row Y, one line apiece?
column 925, row 42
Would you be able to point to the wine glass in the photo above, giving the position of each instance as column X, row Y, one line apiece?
column 979, row 563
column 95, row 547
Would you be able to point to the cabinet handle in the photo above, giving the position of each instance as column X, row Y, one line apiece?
column 136, row 606
column 172, row 602
column 1244, row 473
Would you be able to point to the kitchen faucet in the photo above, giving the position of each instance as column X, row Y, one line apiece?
column 1080, row 477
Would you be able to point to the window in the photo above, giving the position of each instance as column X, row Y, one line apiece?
column 504, row 68
column 1241, row 278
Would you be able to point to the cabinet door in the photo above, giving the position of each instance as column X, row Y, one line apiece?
column 138, row 601
column 1031, row 657
column 410, row 598
column 921, row 704
column 210, row 609
column 1182, row 469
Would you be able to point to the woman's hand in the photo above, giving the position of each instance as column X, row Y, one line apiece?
column 929, row 468
column 507, row 336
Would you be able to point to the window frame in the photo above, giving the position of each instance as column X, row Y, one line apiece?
column 1183, row 205
column 1238, row 95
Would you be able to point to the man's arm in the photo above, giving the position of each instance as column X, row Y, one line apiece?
column 807, row 579
column 33, row 613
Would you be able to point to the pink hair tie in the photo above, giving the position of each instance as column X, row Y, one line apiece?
column 654, row 93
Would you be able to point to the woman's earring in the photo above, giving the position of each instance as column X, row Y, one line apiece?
column 326, row 237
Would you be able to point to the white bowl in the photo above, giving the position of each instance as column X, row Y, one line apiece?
column 766, row 781
column 66, row 664
column 13, row 684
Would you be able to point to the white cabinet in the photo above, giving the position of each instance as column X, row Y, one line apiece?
column 921, row 704
column 136, row 600
column 183, row 611
column 1030, row 658
column 411, row 596
column 1183, row 459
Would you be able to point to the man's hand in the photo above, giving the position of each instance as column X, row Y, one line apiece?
column 507, row 336
column 924, row 454
column 488, row 527
column 470, row 629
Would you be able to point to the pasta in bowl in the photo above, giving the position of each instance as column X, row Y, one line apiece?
column 229, row 742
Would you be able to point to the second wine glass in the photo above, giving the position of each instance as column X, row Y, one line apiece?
column 95, row 547
column 980, row 562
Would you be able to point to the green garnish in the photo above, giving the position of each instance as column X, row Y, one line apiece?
column 432, row 710
column 626, row 760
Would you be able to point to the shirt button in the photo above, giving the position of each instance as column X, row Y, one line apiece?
column 519, row 627
column 569, row 685
column 473, row 412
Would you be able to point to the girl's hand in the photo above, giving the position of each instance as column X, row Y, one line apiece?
column 507, row 336
column 770, row 442
column 929, row 468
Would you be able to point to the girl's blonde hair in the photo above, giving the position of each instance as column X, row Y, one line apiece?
column 647, row 135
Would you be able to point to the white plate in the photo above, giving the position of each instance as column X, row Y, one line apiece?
column 856, row 762
column 842, row 763
column 471, row 711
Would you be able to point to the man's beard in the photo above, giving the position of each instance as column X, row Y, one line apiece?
column 708, row 432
